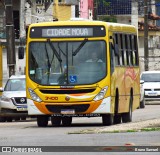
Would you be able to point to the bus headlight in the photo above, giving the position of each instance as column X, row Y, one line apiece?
column 34, row 96
column 101, row 94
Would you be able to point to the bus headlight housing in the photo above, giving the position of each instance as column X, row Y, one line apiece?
column 101, row 94
column 34, row 96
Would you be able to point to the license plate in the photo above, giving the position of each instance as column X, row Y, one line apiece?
column 152, row 94
column 21, row 108
column 67, row 111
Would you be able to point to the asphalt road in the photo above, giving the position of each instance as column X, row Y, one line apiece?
column 26, row 133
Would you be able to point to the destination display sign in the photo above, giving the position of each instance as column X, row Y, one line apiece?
column 67, row 32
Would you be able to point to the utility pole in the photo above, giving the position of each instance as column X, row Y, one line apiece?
column 146, row 60
column 10, row 34
column 22, row 22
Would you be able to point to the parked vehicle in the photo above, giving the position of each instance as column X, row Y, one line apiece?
column 13, row 103
column 151, row 85
column 142, row 101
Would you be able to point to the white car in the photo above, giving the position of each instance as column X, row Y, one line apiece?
column 151, row 85
column 142, row 101
column 13, row 103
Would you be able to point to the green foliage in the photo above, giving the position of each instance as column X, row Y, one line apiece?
column 112, row 19
column 103, row 2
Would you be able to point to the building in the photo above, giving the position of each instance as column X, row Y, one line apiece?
column 86, row 9
column 126, row 12
column 65, row 9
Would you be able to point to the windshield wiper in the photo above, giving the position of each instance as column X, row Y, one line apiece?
column 48, row 63
column 79, row 47
column 54, row 50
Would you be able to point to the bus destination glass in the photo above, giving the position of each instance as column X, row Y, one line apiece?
column 67, row 32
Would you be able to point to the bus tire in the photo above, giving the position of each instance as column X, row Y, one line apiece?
column 3, row 119
column 23, row 118
column 9, row 119
column 56, row 120
column 107, row 119
column 17, row 118
column 66, row 120
column 42, row 120
column 127, row 117
column 117, row 119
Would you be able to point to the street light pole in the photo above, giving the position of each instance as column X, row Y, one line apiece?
column 146, row 35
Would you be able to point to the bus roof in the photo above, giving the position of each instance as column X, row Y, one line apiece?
column 117, row 27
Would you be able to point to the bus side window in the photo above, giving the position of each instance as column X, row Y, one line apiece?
column 121, row 49
column 126, row 47
column 116, row 50
column 135, row 48
column 112, row 59
column 131, row 49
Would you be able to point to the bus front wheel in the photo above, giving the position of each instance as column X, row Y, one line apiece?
column 56, row 120
column 66, row 120
column 3, row 119
column 42, row 120
column 107, row 119
column 117, row 119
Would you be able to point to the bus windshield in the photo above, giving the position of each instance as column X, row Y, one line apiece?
column 67, row 62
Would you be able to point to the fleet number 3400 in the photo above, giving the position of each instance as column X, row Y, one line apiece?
column 51, row 98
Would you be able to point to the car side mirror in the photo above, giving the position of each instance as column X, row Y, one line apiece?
column 20, row 52
column 141, row 81
column 1, row 89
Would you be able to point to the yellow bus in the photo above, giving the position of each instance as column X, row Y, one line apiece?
column 64, row 81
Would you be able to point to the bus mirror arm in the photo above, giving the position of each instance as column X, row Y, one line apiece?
column 20, row 52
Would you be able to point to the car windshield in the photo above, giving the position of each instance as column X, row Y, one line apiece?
column 15, row 85
column 67, row 62
column 151, row 77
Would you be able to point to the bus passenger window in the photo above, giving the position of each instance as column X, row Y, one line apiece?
column 112, row 59
column 121, row 50
column 116, row 50
column 131, row 49
column 135, row 50
column 127, row 51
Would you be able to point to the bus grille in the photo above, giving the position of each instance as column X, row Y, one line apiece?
column 58, row 108
column 62, row 91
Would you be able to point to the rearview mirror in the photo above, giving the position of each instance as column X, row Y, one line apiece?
column 141, row 81
column 20, row 52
